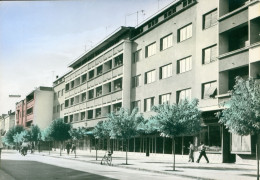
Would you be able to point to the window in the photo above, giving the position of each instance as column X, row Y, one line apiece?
column 170, row 12
column 119, row 60
column 166, row 71
column 58, row 108
column 117, row 107
column 58, row 94
column 61, row 106
column 67, row 103
column 136, row 104
column 99, row 70
column 185, row 33
column 99, row 91
column 83, row 78
column 150, row 50
column 148, row 104
column 184, row 65
column 30, row 111
column 166, row 42
column 152, row 23
column 71, row 101
column 83, row 97
column 149, row 77
column 67, row 87
column 137, row 56
column 118, row 84
column 82, row 115
column 90, row 114
column 136, row 81
column 77, row 99
column 76, row 117
column 209, row 54
column 209, row 90
column 183, row 94
column 91, row 94
column 98, row 112
column 71, row 118
column 72, row 84
column 66, row 119
column 62, row 92
column 91, row 74
column 165, row 98
column 77, row 81
column 210, row 19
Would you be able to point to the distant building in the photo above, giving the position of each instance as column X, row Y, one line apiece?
column 36, row 108
column 7, row 121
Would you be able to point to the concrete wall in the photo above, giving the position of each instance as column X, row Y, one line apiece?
column 59, row 100
column 43, row 108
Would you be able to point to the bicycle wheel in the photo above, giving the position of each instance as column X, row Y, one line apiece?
column 103, row 160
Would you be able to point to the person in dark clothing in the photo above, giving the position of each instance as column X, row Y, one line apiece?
column 68, row 146
column 73, row 148
column 202, row 153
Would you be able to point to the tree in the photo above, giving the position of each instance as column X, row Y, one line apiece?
column 45, row 136
column 77, row 134
column 59, row 131
column 243, row 115
column 35, row 134
column 124, row 125
column 9, row 137
column 101, row 130
column 177, row 120
column 20, row 137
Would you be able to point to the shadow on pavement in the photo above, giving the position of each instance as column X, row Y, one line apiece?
column 31, row 170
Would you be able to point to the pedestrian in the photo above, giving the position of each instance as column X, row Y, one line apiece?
column 68, row 148
column 191, row 151
column 32, row 148
column 73, row 148
column 202, row 153
column 24, row 148
column 1, row 146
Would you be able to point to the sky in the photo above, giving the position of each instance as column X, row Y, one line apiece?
column 38, row 39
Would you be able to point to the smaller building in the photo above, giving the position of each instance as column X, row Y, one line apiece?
column 7, row 121
column 36, row 108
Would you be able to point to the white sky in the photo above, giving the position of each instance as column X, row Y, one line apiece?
column 39, row 39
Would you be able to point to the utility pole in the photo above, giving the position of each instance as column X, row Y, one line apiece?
column 142, row 11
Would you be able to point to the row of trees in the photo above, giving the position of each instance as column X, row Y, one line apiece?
column 169, row 120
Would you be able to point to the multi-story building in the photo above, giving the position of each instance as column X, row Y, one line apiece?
column 59, row 97
column 7, row 121
column 190, row 49
column 239, row 55
column 36, row 108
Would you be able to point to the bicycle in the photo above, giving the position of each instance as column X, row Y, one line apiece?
column 107, row 159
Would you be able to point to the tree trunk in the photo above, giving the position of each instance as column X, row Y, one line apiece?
column 126, row 149
column 96, row 148
column 49, row 147
column 60, row 147
column 257, row 155
column 173, row 152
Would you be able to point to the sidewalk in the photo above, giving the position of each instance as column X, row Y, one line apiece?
column 159, row 163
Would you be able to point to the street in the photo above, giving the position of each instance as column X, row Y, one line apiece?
column 31, row 167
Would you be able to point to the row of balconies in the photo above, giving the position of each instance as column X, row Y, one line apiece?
column 99, row 112
column 95, row 80
column 102, row 59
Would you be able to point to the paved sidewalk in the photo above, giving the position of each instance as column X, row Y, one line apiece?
column 164, row 164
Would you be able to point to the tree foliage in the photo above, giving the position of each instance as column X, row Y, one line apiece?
column 77, row 133
column 124, row 124
column 9, row 137
column 243, row 115
column 59, row 130
column 102, row 129
column 177, row 119
column 45, row 134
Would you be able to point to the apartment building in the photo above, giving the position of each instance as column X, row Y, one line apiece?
column 59, row 97
column 190, row 49
column 36, row 108
column 7, row 121
column 239, row 55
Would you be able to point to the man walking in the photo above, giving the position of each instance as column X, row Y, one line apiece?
column 191, row 151
column 202, row 153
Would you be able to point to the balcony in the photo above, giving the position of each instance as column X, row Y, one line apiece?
column 228, row 6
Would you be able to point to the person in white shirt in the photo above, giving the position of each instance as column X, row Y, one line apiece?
column 191, row 151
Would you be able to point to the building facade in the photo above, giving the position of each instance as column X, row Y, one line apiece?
column 36, row 108
column 190, row 49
